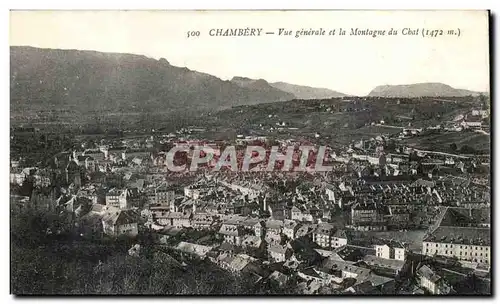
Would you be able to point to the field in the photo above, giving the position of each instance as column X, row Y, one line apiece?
column 442, row 142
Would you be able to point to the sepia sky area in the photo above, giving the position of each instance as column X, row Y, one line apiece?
column 348, row 64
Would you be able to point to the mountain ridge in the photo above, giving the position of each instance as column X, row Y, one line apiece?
column 307, row 92
column 90, row 80
column 423, row 89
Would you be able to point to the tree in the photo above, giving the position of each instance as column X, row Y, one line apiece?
column 453, row 147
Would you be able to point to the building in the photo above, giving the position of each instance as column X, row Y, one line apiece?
column 232, row 234
column 88, row 162
column 274, row 229
column 279, row 253
column 194, row 249
column 323, row 235
column 470, row 244
column 163, row 195
column 192, row 192
column 290, row 228
column 431, row 282
column 296, row 214
column 339, row 238
column 367, row 217
column 117, row 198
column 391, row 250
column 120, row 222
column 259, row 229
column 387, row 267
column 179, row 219
column 202, row 221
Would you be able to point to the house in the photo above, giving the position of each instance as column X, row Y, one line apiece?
column 135, row 250
column 273, row 231
column 163, row 195
column 202, row 220
column 120, row 222
column 233, row 234
column 252, row 224
column 323, row 234
column 374, row 284
column 228, row 248
column 279, row 211
column 159, row 214
column 330, row 192
column 239, row 262
column 17, row 178
column 117, row 198
column 278, row 277
column 305, row 230
column 296, row 214
column 192, row 192
column 290, row 228
column 179, row 219
column 345, row 269
column 339, row 238
column 392, row 250
column 470, row 124
column 252, row 241
column 88, row 162
column 431, row 282
column 279, row 253
column 193, row 249
column 258, row 229
column 367, row 216
column 389, row 267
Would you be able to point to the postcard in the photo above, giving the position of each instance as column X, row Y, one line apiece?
column 254, row 152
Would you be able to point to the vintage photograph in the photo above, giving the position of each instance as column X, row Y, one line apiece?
column 341, row 153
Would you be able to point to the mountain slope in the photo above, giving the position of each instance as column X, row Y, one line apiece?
column 262, row 86
column 305, row 92
column 95, row 81
column 419, row 90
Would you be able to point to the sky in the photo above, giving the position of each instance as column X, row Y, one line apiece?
column 348, row 64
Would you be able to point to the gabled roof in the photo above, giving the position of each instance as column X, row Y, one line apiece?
column 383, row 263
column 239, row 262
column 120, row 217
column 426, row 272
column 290, row 224
column 231, row 230
column 252, row 240
column 278, row 249
column 274, row 224
column 193, row 248
column 325, row 228
column 461, row 235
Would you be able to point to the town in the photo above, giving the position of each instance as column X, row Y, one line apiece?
column 392, row 216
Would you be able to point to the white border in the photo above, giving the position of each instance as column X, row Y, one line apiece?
column 201, row 4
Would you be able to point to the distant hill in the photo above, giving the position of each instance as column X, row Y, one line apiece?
column 51, row 79
column 420, row 90
column 262, row 86
column 305, row 92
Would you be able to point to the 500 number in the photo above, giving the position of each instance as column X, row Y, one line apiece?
column 193, row 34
